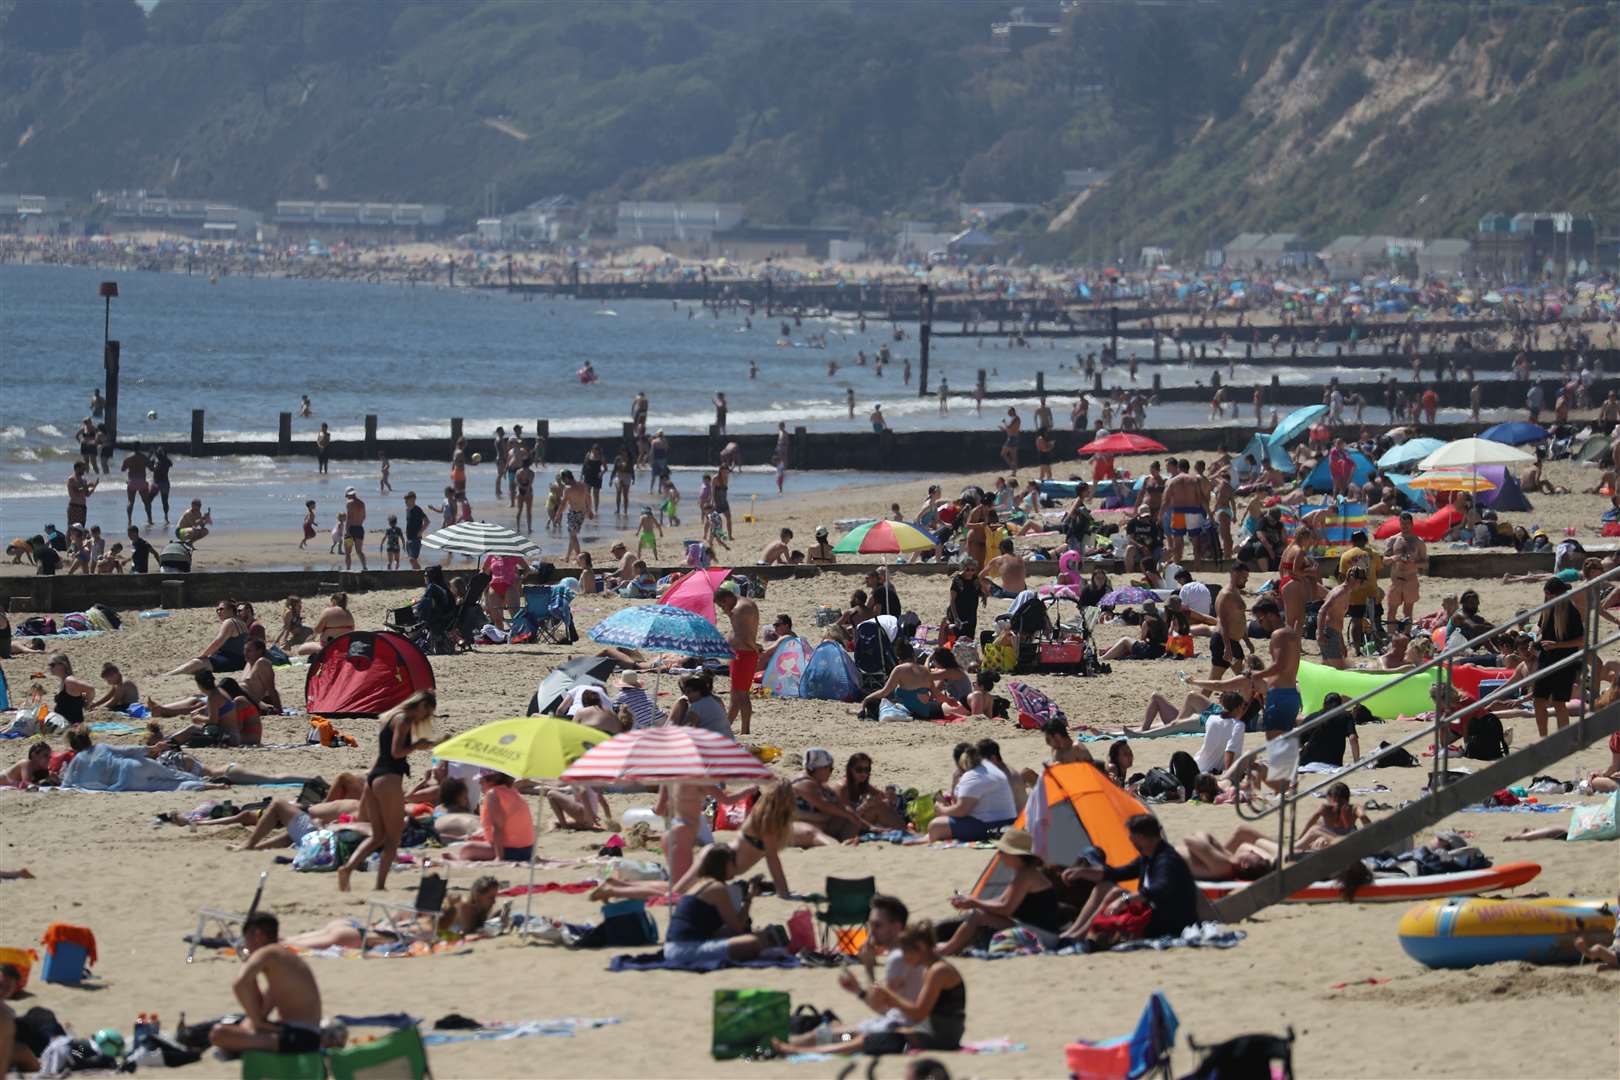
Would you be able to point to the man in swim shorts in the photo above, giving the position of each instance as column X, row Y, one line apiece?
column 576, row 506
column 354, row 534
column 1330, row 619
column 744, row 640
column 1283, row 702
column 289, row 992
column 1231, row 624
column 1188, row 512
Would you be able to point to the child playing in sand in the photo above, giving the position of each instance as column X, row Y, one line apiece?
column 309, row 524
column 714, row 531
column 113, row 562
column 121, row 692
column 670, row 509
column 393, row 539
column 1605, row 956
column 339, row 528
column 645, row 536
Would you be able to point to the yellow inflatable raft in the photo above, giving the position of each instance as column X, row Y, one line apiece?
column 1462, row 932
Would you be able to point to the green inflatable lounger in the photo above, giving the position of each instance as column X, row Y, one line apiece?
column 1409, row 698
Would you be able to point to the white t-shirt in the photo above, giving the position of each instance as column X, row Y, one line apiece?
column 1195, row 597
column 1221, row 733
column 989, row 786
column 906, row 979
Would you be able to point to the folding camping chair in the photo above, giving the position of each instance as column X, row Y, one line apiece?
column 266, row 1065
column 222, row 929
column 417, row 920
column 848, row 903
column 404, row 622
column 399, row 1055
column 550, row 612
column 1144, row 1051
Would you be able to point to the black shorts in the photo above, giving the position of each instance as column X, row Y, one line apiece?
column 1559, row 685
column 1146, row 650
column 298, row 1039
column 1217, row 653
column 357, row 533
column 413, row 548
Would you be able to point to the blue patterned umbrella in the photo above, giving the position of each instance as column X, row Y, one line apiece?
column 661, row 628
column 1125, row 597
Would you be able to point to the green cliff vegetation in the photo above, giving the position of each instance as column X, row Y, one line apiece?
column 1211, row 117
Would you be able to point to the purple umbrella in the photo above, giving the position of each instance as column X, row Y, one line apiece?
column 1035, row 705
column 1130, row 594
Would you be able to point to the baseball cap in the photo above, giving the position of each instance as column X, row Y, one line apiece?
column 817, row 758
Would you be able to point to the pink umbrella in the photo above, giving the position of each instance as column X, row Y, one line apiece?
column 694, row 591
column 664, row 755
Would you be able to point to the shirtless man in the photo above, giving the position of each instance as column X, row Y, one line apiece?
column 289, row 992
column 744, row 641
column 777, row 551
column 193, row 524
column 355, row 532
column 1009, row 565
column 79, row 490
column 1011, row 428
column 576, row 507
column 1283, row 702
column 1231, row 622
column 976, row 540
column 135, row 484
column 1184, row 495
column 517, row 456
column 259, row 682
column 1224, row 499
column 1407, row 557
column 1330, row 619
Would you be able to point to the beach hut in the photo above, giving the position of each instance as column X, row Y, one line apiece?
column 365, row 673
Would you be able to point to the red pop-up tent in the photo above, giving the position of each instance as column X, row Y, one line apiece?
column 365, row 673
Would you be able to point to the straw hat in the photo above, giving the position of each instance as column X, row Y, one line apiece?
column 631, row 679
column 1016, row 842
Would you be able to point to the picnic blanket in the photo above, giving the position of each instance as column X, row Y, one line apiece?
column 1207, row 935
column 558, row 1027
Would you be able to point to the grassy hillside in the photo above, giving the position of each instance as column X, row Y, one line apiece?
column 1215, row 117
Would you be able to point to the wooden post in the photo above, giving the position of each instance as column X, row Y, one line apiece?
column 196, row 431
column 371, row 434
column 1203, row 351
column 109, row 361
column 981, row 380
column 800, row 437
column 1040, row 383
column 455, row 431
column 1276, row 382
column 1248, row 350
column 1215, row 380
column 1157, row 382
column 284, row 434
column 1113, row 332
column 1096, row 382
column 925, row 333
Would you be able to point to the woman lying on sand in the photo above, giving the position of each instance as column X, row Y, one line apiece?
column 1245, row 856
column 462, row 919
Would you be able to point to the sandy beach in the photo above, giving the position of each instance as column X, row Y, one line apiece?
column 1334, row 973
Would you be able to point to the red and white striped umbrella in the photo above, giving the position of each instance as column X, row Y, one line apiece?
column 662, row 754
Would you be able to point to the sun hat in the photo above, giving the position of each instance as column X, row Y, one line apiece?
column 1016, row 842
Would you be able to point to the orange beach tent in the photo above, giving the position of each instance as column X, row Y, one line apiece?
column 1082, row 809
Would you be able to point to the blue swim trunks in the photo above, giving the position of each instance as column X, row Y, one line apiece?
column 1282, row 709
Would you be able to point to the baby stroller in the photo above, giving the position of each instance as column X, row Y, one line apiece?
column 874, row 650
column 1028, row 619
column 175, row 558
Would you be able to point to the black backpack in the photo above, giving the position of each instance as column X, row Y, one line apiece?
column 1483, row 740
column 1159, row 784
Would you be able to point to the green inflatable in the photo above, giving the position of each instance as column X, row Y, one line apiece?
column 1411, row 697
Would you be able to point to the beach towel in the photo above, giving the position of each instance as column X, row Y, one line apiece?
column 552, row 886
column 1197, row 936
column 561, row 1027
column 124, row 768
column 656, row 962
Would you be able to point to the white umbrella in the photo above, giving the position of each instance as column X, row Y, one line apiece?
column 480, row 538
column 1472, row 453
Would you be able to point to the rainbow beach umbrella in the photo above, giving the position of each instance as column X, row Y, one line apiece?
column 885, row 538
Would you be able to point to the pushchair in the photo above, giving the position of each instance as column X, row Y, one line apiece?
column 874, row 650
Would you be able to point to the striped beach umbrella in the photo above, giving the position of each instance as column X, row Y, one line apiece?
column 884, row 537
column 666, row 755
column 480, row 538
column 661, row 628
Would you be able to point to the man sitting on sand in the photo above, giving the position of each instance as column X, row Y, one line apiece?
column 1166, row 900
column 885, row 920
column 289, row 992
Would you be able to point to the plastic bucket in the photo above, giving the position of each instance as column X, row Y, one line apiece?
column 64, row 963
column 21, row 959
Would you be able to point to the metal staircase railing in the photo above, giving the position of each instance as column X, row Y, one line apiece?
column 1446, row 795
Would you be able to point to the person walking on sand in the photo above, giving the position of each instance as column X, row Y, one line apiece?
column 744, row 641
column 323, row 448
column 383, row 486
column 404, row 729
column 523, row 497
column 720, row 410
column 416, row 524
column 1010, row 428
column 309, row 524
column 289, row 993
column 576, row 507
column 354, row 532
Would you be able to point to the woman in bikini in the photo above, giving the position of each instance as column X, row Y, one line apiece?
column 873, row 805
column 215, row 723
column 1335, row 819
column 333, row 622
column 462, row 919
column 818, row 808
column 226, row 651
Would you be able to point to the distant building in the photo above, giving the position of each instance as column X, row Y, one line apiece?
column 917, row 239
column 1352, row 257
column 971, row 243
column 1078, row 180
column 689, row 224
column 1265, row 251
column 34, row 215
column 1443, row 258
column 201, row 218
column 846, row 250
column 1027, row 24
column 1534, row 244
column 313, row 215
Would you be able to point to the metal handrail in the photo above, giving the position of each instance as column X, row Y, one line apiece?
column 1588, row 651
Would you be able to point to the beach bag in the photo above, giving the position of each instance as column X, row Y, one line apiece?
column 807, row 1018
column 1180, row 645
column 78, row 622
column 317, row 852
column 1595, row 822
column 920, row 811
column 1014, row 941
column 745, row 1022
column 1128, row 923
column 107, row 613
column 1000, row 656
column 1394, row 758
column 1159, row 785
column 1483, row 740
column 801, row 926
column 729, row 813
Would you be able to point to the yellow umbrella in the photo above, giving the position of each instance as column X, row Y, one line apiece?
column 1452, row 481
column 531, row 747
